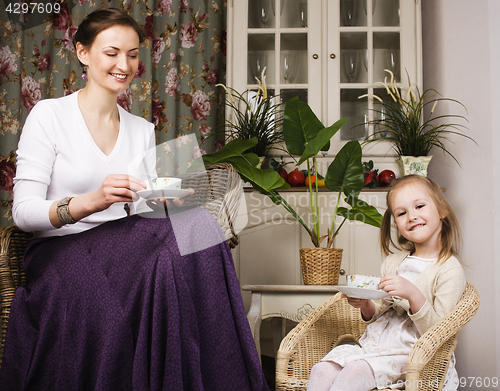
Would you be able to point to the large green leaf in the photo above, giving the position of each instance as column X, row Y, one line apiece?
column 234, row 148
column 263, row 180
column 346, row 171
column 315, row 145
column 300, row 125
column 361, row 211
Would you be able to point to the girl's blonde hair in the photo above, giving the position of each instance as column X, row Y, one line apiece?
column 451, row 237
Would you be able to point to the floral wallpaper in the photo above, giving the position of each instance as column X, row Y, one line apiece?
column 181, row 61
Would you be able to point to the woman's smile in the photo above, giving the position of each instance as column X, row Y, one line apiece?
column 119, row 76
column 113, row 60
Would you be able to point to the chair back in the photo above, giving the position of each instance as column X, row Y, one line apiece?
column 13, row 242
column 219, row 190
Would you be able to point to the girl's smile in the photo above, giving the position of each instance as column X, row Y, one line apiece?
column 417, row 218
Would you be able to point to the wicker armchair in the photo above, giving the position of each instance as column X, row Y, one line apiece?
column 219, row 192
column 335, row 320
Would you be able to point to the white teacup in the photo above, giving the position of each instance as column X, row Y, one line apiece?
column 164, row 183
column 362, row 281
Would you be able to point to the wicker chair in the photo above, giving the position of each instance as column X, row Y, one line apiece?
column 219, row 192
column 335, row 320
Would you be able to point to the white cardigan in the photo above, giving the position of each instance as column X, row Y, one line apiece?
column 57, row 157
column 442, row 284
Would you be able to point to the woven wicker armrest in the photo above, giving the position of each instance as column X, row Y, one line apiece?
column 312, row 339
column 430, row 356
column 13, row 242
column 219, row 190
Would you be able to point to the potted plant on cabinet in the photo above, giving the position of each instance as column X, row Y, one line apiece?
column 306, row 136
column 253, row 113
column 410, row 125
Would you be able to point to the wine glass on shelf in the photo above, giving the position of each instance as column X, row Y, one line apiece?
column 381, row 114
column 374, row 4
column 362, row 133
column 393, row 62
column 287, row 65
column 264, row 12
column 364, row 54
column 349, row 12
column 256, row 65
column 303, row 13
column 350, row 62
column 273, row 6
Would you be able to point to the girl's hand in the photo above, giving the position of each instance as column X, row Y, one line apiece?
column 356, row 303
column 401, row 287
column 365, row 305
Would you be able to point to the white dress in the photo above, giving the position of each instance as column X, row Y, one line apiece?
column 387, row 341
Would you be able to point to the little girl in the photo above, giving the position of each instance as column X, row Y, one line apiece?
column 424, row 281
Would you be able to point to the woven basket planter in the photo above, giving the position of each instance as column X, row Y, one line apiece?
column 320, row 266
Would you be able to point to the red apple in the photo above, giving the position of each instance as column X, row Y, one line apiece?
column 386, row 177
column 296, row 178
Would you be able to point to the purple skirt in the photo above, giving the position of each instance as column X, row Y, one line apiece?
column 118, row 308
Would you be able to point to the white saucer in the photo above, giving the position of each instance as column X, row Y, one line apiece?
column 361, row 293
column 168, row 194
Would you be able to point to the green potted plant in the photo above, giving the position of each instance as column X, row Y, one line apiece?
column 253, row 113
column 306, row 136
column 410, row 124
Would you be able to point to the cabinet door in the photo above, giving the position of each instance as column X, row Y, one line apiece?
column 329, row 53
column 366, row 38
column 284, row 37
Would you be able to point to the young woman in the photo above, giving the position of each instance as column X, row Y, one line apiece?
column 111, row 304
column 424, row 281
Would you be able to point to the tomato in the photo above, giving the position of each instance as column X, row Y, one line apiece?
column 296, row 178
column 386, row 177
column 313, row 179
column 371, row 179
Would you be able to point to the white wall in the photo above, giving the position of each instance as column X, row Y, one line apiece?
column 461, row 54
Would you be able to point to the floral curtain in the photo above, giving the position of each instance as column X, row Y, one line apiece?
column 181, row 61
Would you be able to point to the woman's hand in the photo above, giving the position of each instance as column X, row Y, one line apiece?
column 115, row 188
column 401, row 287
column 161, row 203
column 365, row 305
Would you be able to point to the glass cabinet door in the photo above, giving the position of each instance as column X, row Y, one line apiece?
column 369, row 33
column 328, row 53
column 277, row 37
column 366, row 39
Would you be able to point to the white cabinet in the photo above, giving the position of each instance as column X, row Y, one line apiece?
column 268, row 252
column 327, row 52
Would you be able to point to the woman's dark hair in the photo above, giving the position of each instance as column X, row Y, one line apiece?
column 102, row 19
